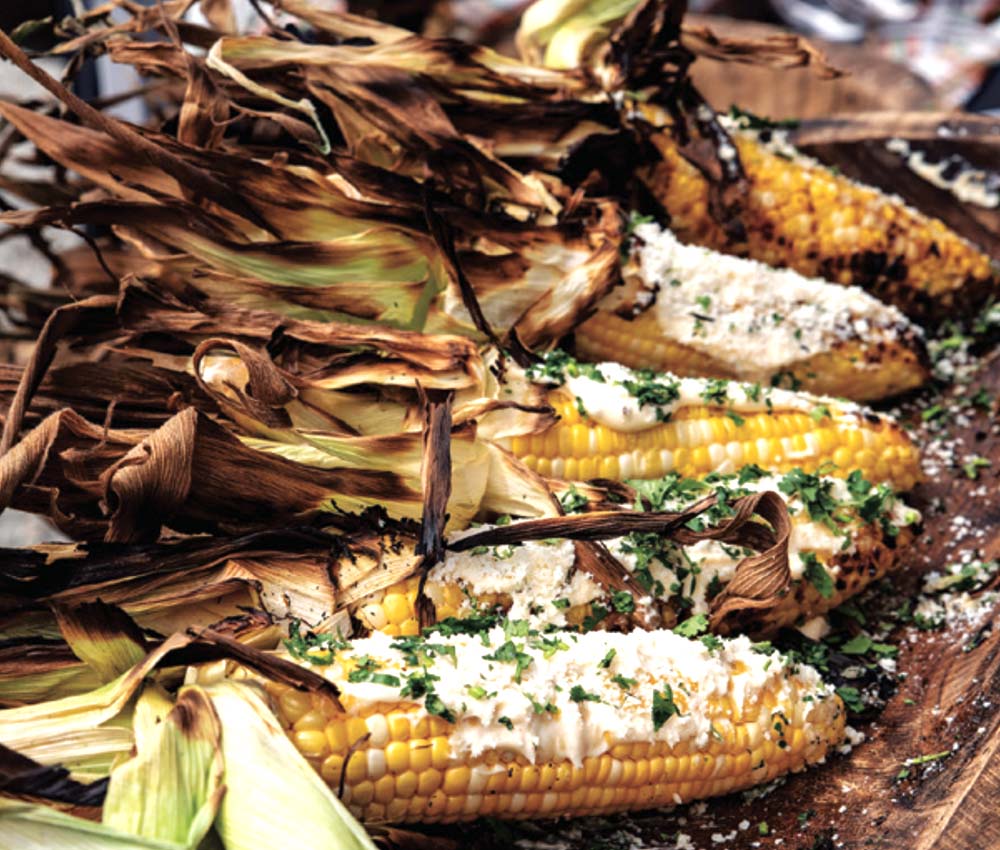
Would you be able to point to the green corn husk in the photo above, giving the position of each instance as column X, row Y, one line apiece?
column 332, row 255
column 270, row 787
column 561, row 34
column 30, row 826
column 179, row 754
column 211, row 770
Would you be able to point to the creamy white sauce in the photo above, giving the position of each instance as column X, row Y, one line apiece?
column 611, row 404
column 970, row 185
column 580, row 729
column 757, row 319
column 532, row 574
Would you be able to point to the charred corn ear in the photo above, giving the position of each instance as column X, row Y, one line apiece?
column 617, row 423
column 802, row 215
column 845, row 535
column 518, row 723
column 853, row 369
column 718, row 316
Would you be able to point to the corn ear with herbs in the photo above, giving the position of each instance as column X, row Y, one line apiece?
column 628, row 733
column 616, row 423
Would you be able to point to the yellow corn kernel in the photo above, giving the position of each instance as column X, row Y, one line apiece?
column 421, row 780
column 778, row 440
column 803, row 216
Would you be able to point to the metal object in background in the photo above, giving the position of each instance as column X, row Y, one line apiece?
column 815, row 18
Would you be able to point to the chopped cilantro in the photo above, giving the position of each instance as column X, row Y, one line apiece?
column 664, row 707
column 815, row 573
column 506, row 721
column 852, row 698
column 419, row 684
column 653, row 390
column 635, row 220
column 624, row 682
column 692, row 626
column 573, row 501
column 597, row 614
column 578, row 694
column 366, row 672
column 972, row 466
column 542, row 707
column 549, row 645
column 857, row 645
column 605, row 662
column 508, row 652
column 314, row 648
column 434, row 706
column 982, row 399
column 622, row 602
column 714, row 588
column 819, row 413
column 474, row 624
column 711, row 642
column 716, row 391
column 814, row 492
column 933, row 412
column 751, row 472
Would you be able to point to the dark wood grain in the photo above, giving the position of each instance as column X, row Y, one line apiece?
column 871, row 82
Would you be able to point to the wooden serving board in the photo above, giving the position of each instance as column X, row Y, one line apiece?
column 950, row 699
column 871, row 82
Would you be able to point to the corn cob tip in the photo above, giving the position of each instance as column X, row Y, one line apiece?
column 692, row 311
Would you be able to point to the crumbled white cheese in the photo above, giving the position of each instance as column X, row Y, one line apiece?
column 533, row 575
column 756, row 319
column 703, row 683
column 816, row 628
column 968, row 184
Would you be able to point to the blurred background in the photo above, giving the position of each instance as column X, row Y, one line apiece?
column 902, row 55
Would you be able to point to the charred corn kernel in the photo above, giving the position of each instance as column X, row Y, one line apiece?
column 687, row 738
column 804, row 216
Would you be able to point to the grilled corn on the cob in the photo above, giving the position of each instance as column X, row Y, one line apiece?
column 805, row 216
column 617, row 423
column 712, row 315
column 512, row 722
column 845, row 535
